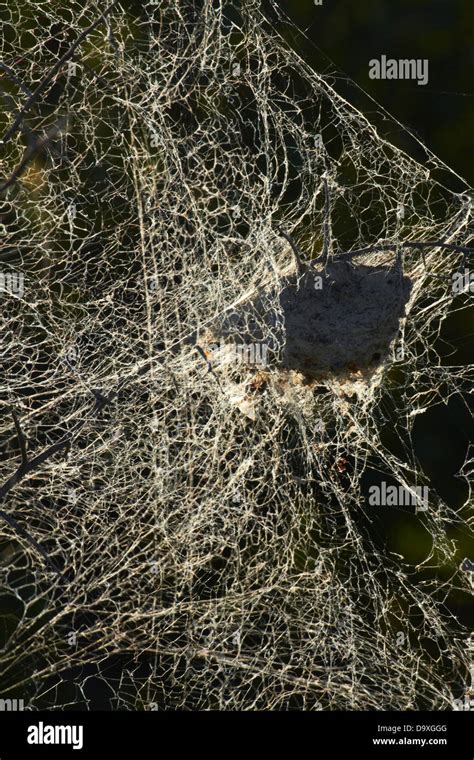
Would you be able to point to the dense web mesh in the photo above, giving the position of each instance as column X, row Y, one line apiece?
column 185, row 466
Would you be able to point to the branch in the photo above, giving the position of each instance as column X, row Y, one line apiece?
column 24, row 468
column 21, row 438
column 24, row 127
column 10, row 74
column 19, row 529
column 28, row 465
column 31, row 152
column 52, row 73
column 300, row 266
column 209, row 365
column 326, row 228
column 407, row 244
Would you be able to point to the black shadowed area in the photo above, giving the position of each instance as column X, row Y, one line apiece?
column 324, row 321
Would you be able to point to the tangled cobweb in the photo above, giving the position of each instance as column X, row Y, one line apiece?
column 190, row 418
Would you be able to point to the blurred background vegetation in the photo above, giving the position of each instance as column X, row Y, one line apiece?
column 344, row 35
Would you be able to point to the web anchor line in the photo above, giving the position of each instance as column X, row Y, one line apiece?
column 301, row 265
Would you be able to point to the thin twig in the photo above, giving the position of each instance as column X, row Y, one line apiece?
column 300, row 265
column 209, row 365
column 52, row 73
column 31, row 152
column 22, row 532
column 327, row 225
column 465, row 250
column 407, row 244
column 28, row 465
column 10, row 74
column 24, row 468
column 21, row 438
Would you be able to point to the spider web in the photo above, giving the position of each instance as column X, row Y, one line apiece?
column 184, row 529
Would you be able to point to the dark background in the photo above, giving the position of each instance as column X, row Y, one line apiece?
column 344, row 35
column 339, row 38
